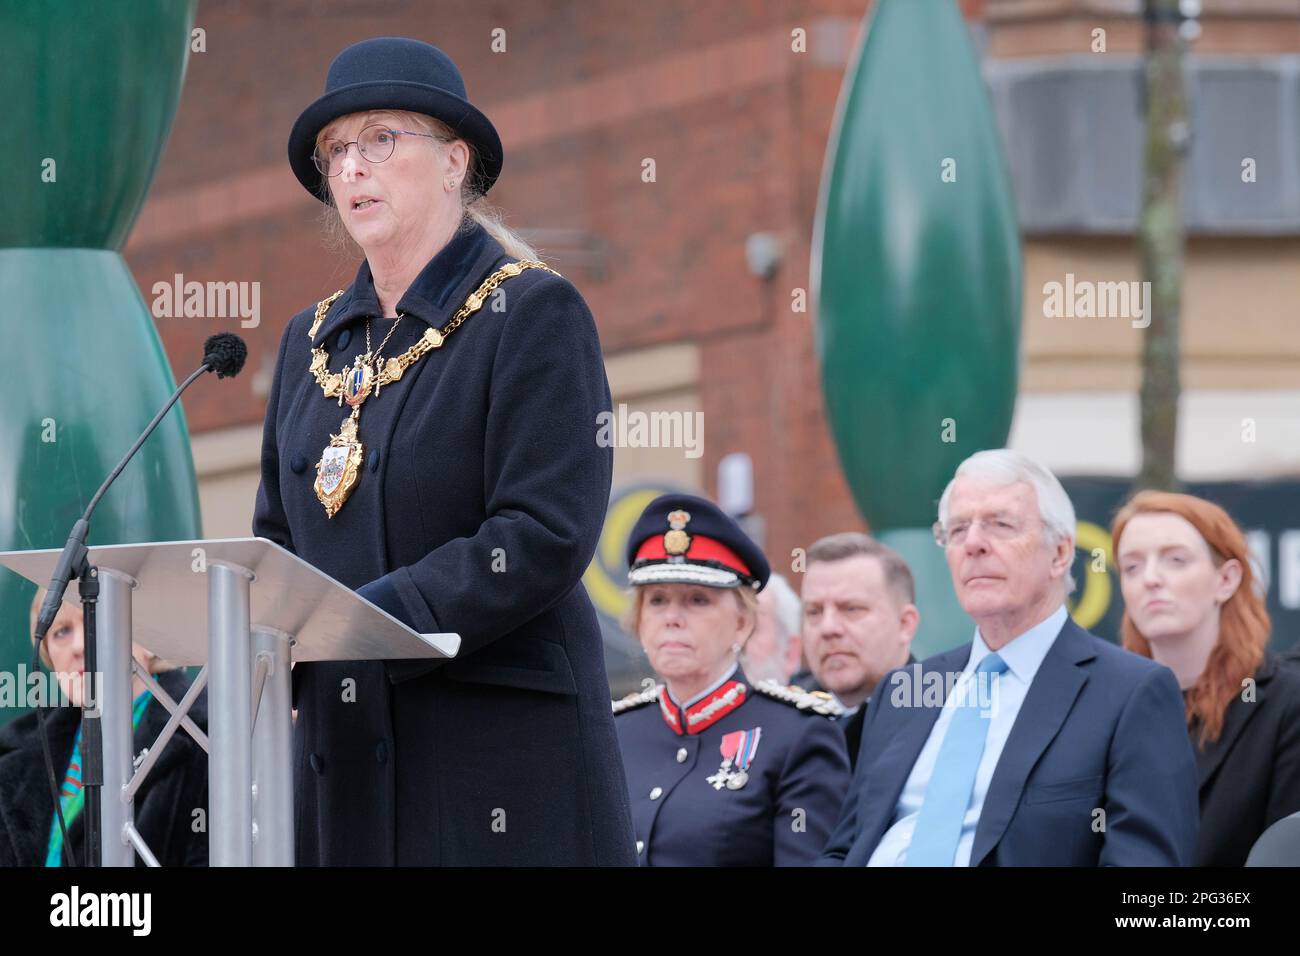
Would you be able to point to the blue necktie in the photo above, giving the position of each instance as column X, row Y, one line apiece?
column 947, row 795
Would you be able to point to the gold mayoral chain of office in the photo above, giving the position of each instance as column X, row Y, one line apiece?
column 340, row 461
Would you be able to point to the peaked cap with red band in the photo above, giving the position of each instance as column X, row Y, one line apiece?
column 684, row 539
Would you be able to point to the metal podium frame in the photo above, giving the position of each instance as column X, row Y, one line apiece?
column 254, row 635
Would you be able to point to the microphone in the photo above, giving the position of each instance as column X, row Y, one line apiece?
column 223, row 353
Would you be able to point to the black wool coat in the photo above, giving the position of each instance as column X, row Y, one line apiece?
column 480, row 501
column 1250, row 776
column 164, row 805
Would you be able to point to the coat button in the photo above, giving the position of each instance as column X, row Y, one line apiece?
column 381, row 751
column 656, row 793
column 640, row 847
column 317, row 764
column 298, row 464
column 344, row 338
column 374, row 460
column 681, row 755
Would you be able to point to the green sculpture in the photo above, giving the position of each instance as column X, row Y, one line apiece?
column 91, row 91
column 916, row 273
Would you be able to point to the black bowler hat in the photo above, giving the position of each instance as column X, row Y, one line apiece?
column 688, row 540
column 394, row 73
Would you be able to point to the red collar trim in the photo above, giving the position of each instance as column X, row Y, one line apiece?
column 703, row 713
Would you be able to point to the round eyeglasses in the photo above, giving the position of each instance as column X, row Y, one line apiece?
column 999, row 527
column 375, row 144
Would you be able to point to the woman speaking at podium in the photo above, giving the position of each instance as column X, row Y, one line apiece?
column 430, row 440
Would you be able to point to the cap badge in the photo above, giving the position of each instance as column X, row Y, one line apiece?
column 677, row 541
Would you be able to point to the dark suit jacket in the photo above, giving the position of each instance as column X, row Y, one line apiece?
column 852, row 726
column 480, row 501
column 1250, row 776
column 1099, row 728
column 164, row 805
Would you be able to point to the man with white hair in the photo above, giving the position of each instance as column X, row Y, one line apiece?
column 772, row 651
column 1036, row 744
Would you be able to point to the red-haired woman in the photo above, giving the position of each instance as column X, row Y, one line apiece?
column 1190, row 603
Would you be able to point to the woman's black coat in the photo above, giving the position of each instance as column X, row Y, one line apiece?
column 481, row 498
column 164, row 805
column 1250, row 776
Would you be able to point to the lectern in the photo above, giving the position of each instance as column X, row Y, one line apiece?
column 265, row 608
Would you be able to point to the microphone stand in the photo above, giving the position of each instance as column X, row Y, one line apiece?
column 73, row 562
column 92, row 738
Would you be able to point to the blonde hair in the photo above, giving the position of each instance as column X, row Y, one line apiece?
column 474, row 205
column 156, row 663
column 746, row 597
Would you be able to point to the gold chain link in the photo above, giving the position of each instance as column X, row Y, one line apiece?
column 332, row 382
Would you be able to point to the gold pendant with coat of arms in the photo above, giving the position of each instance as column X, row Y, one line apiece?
column 339, row 466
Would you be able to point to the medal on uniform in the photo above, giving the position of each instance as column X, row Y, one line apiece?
column 745, row 751
column 739, row 748
column 719, row 779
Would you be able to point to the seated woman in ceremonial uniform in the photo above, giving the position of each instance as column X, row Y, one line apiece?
column 721, row 772
column 165, row 804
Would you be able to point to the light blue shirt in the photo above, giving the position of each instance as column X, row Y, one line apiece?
column 1023, row 656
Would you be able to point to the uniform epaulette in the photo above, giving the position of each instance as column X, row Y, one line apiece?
column 636, row 699
column 817, row 701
